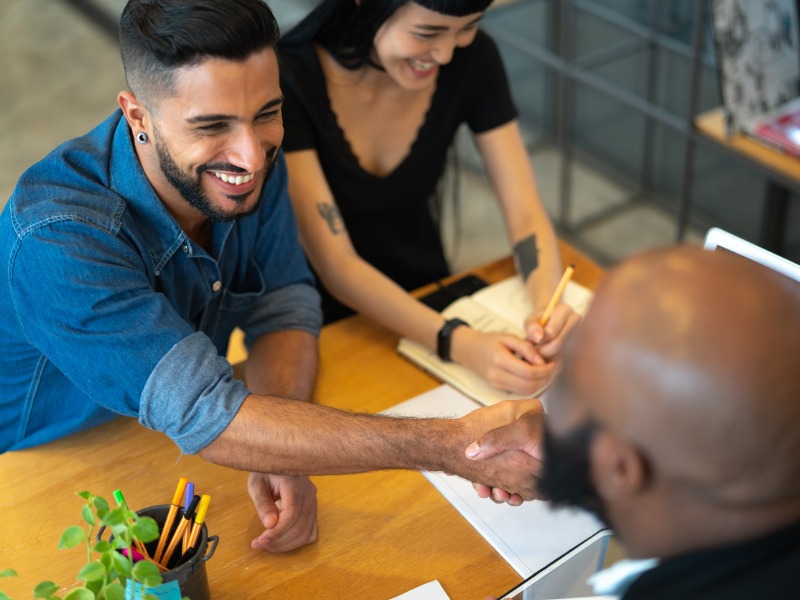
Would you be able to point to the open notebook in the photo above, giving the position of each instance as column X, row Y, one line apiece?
column 501, row 307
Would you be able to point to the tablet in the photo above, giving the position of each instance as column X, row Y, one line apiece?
column 717, row 239
column 565, row 577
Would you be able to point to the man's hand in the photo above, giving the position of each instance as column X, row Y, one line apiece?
column 523, row 435
column 287, row 507
column 506, row 455
column 550, row 338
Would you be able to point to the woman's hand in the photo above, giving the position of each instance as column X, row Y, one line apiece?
column 507, row 362
column 549, row 339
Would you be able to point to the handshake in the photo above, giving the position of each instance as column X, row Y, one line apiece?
column 505, row 453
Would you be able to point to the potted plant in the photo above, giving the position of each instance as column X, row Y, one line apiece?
column 110, row 572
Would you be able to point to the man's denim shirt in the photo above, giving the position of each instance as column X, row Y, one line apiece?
column 107, row 307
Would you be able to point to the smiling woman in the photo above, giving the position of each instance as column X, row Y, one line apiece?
column 375, row 92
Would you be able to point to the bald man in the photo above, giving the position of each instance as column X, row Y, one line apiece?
column 676, row 419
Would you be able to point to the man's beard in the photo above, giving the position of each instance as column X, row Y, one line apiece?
column 565, row 479
column 191, row 189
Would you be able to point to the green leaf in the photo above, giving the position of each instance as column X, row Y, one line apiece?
column 122, row 531
column 146, row 529
column 4, row 597
column 79, row 593
column 102, row 546
column 71, row 537
column 147, row 573
column 115, row 517
column 93, row 571
column 119, row 543
column 84, row 495
column 115, row 591
column 96, row 586
column 100, row 503
column 88, row 515
column 122, row 564
column 45, row 589
column 8, row 573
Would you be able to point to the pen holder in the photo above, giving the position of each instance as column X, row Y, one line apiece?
column 188, row 579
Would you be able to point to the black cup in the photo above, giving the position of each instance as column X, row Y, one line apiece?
column 190, row 574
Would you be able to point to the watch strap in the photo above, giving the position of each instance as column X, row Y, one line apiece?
column 444, row 337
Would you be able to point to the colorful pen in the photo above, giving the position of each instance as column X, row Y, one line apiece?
column 178, row 535
column 199, row 519
column 187, row 500
column 137, row 543
column 173, row 511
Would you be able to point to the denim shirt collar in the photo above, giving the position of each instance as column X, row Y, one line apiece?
column 164, row 237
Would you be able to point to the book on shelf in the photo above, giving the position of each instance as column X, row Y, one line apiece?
column 500, row 307
column 781, row 128
column 759, row 70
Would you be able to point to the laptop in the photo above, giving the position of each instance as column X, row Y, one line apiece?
column 719, row 239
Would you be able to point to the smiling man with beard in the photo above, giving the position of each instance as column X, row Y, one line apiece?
column 676, row 419
column 130, row 254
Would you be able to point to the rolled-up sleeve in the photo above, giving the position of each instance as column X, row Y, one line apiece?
column 191, row 395
column 295, row 306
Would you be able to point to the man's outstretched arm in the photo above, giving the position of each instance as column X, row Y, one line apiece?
column 276, row 435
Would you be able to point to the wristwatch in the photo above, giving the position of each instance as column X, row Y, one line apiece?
column 444, row 336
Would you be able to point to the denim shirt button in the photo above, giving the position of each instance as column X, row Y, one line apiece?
column 216, row 286
column 185, row 248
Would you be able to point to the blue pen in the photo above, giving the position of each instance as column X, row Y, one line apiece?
column 187, row 500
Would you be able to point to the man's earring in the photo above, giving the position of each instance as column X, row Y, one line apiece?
column 142, row 137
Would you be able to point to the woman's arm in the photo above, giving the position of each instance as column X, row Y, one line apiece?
column 530, row 231
column 365, row 289
column 347, row 276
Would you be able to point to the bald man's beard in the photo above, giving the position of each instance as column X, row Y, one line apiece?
column 565, row 479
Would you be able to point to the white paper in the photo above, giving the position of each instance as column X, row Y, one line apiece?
column 430, row 591
column 530, row 536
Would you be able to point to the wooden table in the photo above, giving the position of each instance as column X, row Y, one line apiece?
column 381, row 534
column 782, row 171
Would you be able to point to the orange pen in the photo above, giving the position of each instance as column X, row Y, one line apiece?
column 173, row 511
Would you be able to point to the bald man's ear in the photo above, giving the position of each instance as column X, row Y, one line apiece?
column 619, row 470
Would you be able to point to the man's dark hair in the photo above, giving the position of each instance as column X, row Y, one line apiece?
column 159, row 36
column 347, row 29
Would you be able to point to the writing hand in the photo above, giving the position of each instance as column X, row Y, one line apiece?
column 549, row 339
column 287, row 507
column 525, row 435
column 507, row 362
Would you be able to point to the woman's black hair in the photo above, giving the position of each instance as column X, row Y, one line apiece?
column 159, row 36
column 346, row 28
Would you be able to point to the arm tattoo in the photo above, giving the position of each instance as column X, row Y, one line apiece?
column 330, row 212
column 526, row 255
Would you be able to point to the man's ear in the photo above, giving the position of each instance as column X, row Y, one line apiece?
column 619, row 469
column 135, row 113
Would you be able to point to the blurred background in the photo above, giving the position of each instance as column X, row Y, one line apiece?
column 605, row 91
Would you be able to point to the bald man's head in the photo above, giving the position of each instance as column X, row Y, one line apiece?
column 689, row 359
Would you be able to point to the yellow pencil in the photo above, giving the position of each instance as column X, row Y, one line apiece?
column 557, row 294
